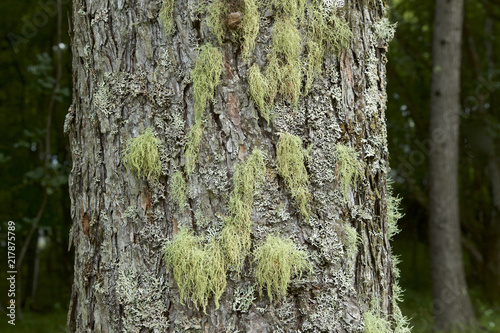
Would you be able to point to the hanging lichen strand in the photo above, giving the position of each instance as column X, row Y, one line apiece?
column 206, row 77
column 199, row 270
column 291, row 158
column 235, row 236
column 167, row 16
column 142, row 156
column 323, row 34
column 276, row 260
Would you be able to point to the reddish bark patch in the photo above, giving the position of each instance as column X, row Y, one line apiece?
column 85, row 224
column 242, row 152
column 232, row 109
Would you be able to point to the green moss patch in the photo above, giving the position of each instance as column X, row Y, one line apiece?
column 199, row 270
column 291, row 158
column 142, row 156
column 276, row 260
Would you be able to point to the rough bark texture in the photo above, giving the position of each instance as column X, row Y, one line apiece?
column 452, row 304
column 128, row 76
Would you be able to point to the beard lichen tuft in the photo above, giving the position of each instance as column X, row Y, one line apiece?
column 199, row 270
column 142, row 156
column 250, row 27
column 276, row 260
column 375, row 323
column 348, row 167
column 291, row 158
column 167, row 15
column 192, row 146
column 235, row 235
column 259, row 90
column 178, row 189
column 218, row 10
column 206, row 77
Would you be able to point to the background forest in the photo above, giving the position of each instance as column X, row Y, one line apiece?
column 35, row 94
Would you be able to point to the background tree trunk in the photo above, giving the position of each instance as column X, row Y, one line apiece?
column 452, row 305
column 129, row 75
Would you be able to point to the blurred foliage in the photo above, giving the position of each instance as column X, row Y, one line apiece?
column 409, row 80
column 32, row 96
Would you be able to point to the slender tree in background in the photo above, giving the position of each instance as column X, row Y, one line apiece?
column 230, row 167
column 452, row 305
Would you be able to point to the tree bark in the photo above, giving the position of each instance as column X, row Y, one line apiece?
column 129, row 76
column 452, row 305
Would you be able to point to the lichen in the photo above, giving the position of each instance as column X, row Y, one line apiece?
column 206, row 77
column 142, row 155
column 142, row 301
column 385, row 30
column 401, row 322
column 291, row 158
column 199, row 270
column 352, row 241
column 192, row 146
column 276, row 260
column 348, row 167
column 393, row 212
column 259, row 90
column 250, row 24
column 167, row 15
column 375, row 324
column 178, row 189
column 326, row 34
column 215, row 21
column 291, row 8
column 243, row 298
column 235, row 236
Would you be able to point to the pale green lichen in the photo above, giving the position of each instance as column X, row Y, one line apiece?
column 259, row 90
column 167, row 16
column 192, row 146
column 284, row 70
column 275, row 261
column 375, row 324
column 348, row 167
column 291, row 8
column 199, row 270
column 401, row 322
column 291, row 158
column 393, row 212
column 178, row 189
column 217, row 12
column 286, row 40
column 327, row 34
column 235, row 236
column 206, row 77
column 352, row 241
column 250, row 24
column 142, row 156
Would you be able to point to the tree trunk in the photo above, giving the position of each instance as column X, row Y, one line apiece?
column 140, row 76
column 452, row 305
